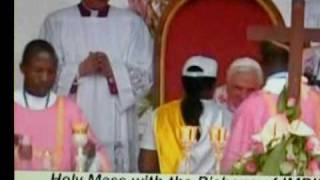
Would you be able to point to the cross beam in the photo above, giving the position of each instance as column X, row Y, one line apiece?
column 297, row 35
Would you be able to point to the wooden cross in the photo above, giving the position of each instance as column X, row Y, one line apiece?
column 297, row 35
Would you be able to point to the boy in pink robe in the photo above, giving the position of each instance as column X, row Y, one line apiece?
column 46, row 119
column 41, row 127
column 254, row 112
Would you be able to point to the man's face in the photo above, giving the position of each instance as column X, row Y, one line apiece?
column 240, row 86
column 39, row 74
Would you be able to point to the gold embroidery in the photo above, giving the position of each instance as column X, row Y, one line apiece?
column 59, row 134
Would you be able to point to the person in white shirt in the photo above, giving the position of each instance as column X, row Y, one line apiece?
column 161, row 149
column 105, row 61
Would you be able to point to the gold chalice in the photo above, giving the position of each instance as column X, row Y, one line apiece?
column 188, row 136
column 80, row 138
column 218, row 137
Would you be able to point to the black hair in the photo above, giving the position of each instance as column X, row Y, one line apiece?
column 316, row 83
column 191, row 106
column 35, row 47
column 272, row 54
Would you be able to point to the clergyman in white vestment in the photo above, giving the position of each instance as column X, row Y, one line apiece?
column 78, row 31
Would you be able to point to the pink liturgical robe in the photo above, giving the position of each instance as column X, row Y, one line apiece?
column 41, row 126
column 253, row 114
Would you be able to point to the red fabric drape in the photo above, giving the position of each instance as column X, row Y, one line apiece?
column 214, row 28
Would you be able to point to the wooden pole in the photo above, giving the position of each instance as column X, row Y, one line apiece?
column 296, row 47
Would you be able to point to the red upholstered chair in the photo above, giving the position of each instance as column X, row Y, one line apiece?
column 214, row 28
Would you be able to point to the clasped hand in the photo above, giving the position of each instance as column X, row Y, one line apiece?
column 96, row 63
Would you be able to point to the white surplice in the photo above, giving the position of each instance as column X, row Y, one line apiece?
column 126, row 40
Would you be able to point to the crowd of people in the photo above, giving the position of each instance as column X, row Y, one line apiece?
column 92, row 65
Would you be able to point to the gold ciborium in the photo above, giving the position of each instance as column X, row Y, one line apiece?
column 188, row 136
column 80, row 138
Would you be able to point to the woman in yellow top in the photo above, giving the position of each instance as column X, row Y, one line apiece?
column 161, row 149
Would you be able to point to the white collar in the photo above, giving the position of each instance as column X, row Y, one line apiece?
column 279, row 75
column 276, row 82
column 35, row 103
column 206, row 101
